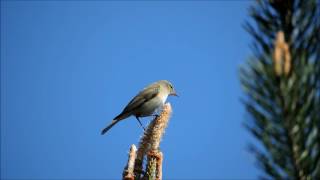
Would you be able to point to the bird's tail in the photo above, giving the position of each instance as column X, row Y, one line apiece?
column 114, row 122
column 120, row 117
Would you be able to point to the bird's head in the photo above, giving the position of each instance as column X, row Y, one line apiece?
column 169, row 87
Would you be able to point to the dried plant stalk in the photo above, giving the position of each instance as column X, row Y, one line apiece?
column 128, row 170
column 152, row 136
column 150, row 141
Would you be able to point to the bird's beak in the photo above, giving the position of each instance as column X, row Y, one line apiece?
column 174, row 94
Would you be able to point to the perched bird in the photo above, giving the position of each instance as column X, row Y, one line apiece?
column 145, row 103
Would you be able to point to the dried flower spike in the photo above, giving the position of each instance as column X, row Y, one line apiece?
column 128, row 171
column 150, row 141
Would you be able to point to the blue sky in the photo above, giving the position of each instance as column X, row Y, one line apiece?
column 68, row 68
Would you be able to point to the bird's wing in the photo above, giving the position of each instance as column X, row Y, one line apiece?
column 143, row 96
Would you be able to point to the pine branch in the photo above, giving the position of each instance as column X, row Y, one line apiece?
column 282, row 83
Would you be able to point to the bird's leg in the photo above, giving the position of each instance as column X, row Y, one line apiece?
column 140, row 123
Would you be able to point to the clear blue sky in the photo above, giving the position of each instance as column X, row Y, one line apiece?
column 68, row 68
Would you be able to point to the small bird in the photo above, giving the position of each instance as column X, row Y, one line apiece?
column 145, row 103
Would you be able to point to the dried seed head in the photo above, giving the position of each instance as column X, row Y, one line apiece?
column 128, row 171
column 153, row 134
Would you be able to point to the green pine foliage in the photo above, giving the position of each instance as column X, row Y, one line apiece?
column 284, row 109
